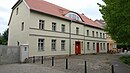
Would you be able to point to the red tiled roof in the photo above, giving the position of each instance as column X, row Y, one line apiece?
column 49, row 8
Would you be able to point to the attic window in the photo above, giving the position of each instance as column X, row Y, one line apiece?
column 17, row 11
column 74, row 16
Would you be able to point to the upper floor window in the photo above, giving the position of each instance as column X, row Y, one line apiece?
column 41, row 24
column 22, row 28
column 100, row 35
column 77, row 30
column 92, row 33
column 96, row 34
column 53, row 26
column 62, row 28
column 53, row 45
column 74, row 15
column 62, row 45
column 87, row 32
column 17, row 11
column 40, row 44
column 103, row 35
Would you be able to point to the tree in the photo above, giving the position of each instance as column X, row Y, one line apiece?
column 4, row 38
column 116, row 14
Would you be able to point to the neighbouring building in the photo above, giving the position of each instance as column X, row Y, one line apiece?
column 111, row 44
column 48, row 29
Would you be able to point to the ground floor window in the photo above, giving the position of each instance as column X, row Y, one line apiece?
column 62, row 45
column 53, row 45
column 40, row 44
column 88, row 45
column 104, row 46
column 93, row 46
column 101, row 46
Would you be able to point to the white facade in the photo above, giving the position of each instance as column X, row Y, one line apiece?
column 24, row 29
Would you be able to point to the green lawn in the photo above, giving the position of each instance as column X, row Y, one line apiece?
column 125, row 59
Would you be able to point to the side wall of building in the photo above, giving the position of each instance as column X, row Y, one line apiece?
column 20, row 15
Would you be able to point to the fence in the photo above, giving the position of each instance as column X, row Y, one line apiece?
column 9, row 54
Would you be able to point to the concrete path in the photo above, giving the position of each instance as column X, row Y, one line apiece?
column 119, row 66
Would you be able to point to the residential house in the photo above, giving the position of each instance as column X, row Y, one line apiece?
column 49, row 29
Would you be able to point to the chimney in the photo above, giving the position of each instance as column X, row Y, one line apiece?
column 82, row 13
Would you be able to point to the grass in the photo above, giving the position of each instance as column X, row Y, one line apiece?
column 125, row 59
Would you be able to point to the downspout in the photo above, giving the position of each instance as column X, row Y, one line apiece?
column 84, row 38
column 70, row 38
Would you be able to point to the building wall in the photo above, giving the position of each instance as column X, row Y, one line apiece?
column 15, row 26
column 32, row 33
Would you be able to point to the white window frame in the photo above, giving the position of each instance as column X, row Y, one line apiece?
column 88, row 45
column 62, row 45
column 93, row 34
column 104, row 46
column 94, row 46
column 41, row 24
column 53, row 45
column 101, row 46
column 87, row 32
column 53, row 26
column 77, row 30
column 41, row 44
column 96, row 34
column 62, row 28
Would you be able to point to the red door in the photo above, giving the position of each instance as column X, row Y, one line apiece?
column 97, row 47
column 77, row 48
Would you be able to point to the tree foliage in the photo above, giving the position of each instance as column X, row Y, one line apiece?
column 4, row 38
column 116, row 14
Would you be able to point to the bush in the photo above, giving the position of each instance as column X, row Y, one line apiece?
column 125, row 59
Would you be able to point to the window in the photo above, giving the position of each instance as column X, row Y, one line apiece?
column 104, row 46
column 41, row 24
column 93, row 46
column 101, row 46
column 22, row 28
column 40, row 44
column 74, row 16
column 96, row 34
column 18, row 43
column 87, row 32
column 92, row 33
column 88, row 45
column 53, row 26
column 103, row 35
column 53, row 45
column 77, row 30
column 62, row 45
column 100, row 35
column 62, row 28
column 25, row 49
column 17, row 11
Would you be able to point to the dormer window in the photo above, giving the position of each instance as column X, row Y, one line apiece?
column 74, row 16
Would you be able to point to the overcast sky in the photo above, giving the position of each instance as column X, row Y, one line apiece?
column 88, row 7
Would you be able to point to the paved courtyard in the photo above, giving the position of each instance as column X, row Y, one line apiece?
column 100, row 63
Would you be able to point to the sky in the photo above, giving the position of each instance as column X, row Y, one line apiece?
column 88, row 7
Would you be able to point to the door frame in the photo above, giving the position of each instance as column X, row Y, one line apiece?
column 78, row 51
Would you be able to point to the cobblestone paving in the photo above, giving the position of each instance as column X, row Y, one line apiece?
column 95, row 64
